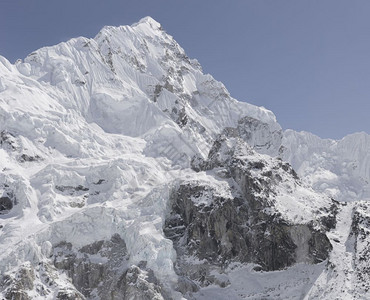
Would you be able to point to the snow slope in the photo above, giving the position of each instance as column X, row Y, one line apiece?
column 341, row 169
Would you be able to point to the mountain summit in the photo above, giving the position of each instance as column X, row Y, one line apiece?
column 127, row 173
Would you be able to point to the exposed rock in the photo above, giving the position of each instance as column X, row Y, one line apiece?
column 101, row 269
column 259, row 135
column 360, row 233
column 6, row 204
column 157, row 91
column 186, row 285
column 8, row 141
column 330, row 221
column 14, row 294
column 182, row 118
column 66, row 294
column 137, row 284
column 242, row 224
column 100, row 181
column 78, row 192
column 29, row 158
column 71, row 189
column 93, row 264
column 79, row 82
column 25, row 278
column 231, row 230
column 18, row 285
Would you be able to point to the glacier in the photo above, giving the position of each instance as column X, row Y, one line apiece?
column 99, row 136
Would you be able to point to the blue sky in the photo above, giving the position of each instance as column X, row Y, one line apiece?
column 307, row 61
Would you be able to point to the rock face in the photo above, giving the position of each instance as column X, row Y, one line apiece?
column 243, row 225
column 19, row 285
column 260, row 135
column 361, row 247
column 101, row 269
column 92, row 264
column 8, row 141
column 6, row 204
column 138, row 284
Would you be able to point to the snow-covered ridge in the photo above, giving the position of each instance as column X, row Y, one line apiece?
column 339, row 168
column 135, row 79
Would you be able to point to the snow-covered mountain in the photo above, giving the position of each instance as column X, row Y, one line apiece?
column 127, row 173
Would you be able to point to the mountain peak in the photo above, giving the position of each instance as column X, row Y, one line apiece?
column 135, row 167
column 147, row 26
column 150, row 21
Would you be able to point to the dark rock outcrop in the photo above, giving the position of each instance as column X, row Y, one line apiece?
column 66, row 294
column 359, row 236
column 20, row 284
column 140, row 284
column 101, row 268
column 260, row 135
column 29, row 158
column 242, row 225
column 6, row 204
column 93, row 264
column 8, row 141
column 8, row 199
column 229, row 230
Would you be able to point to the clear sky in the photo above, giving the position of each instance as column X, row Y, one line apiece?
column 306, row 60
